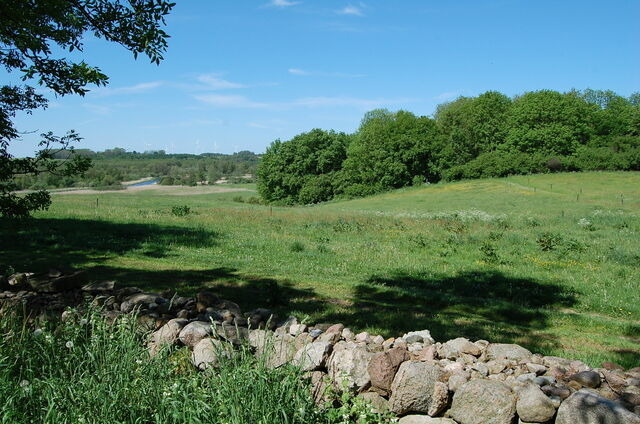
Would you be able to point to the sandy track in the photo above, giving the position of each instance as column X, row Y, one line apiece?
column 160, row 189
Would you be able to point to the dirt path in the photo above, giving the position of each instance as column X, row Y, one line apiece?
column 160, row 189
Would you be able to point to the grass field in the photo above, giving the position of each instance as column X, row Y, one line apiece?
column 551, row 262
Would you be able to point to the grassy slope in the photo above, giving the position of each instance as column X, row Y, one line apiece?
column 461, row 259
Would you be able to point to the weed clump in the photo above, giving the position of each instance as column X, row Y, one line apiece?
column 181, row 210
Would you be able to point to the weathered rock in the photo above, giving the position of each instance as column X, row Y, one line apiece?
column 166, row 335
column 347, row 366
column 424, row 419
column 586, row 407
column 363, row 337
column 513, row 352
column 99, row 286
column 383, row 367
column 320, row 387
column 207, row 353
column 280, row 351
column 297, row 329
column 313, row 356
column 379, row 405
column 483, row 402
column 413, row 387
column 537, row 369
column 232, row 333
column 611, row 366
column 453, row 348
column 57, row 284
column 456, row 381
column 335, row 328
column 533, row 406
column 195, row 331
column 422, row 336
column 587, row 379
column 440, row 399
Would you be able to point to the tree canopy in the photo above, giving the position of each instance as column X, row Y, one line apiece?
column 491, row 135
column 34, row 34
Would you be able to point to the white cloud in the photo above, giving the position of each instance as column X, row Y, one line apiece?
column 296, row 71
column 233, row 101
column 351, row 10
column 214, row 82
column 283, row 3
column 133, row 89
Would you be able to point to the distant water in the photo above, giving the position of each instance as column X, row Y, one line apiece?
column 144, row 183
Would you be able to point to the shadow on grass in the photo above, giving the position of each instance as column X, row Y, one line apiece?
column 476, row 304
column 37, row 244
column 479, row 304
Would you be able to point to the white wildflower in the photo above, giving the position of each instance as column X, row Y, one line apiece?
column 37, row 332
column 69, row 344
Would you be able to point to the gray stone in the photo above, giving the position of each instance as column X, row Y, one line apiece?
column 456, row 381
column 587, row 379
column 424, row 336
column 424, row 419
column 207, row 353
column 413, row 387
column 281, row 351
column 439, row 399
column 232, row 333
column 347, row 366
column 483, row 402
column 513, row 352
column 167, row 334
column 586, row 407
column 315, row 333
column 454, row 348
column 379, row 405
column 195, row 331
column 312, row 356
column 537, row 369
column 533, row 405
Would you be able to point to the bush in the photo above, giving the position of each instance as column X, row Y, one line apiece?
column 182, row 210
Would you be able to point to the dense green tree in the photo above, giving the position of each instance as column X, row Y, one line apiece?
column 288, row 170
column 33, row 34
column 550, row 122
column 388, row 151
column 471, row 126
column 615, row 115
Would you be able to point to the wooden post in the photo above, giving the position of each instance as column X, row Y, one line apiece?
column 97, row 204
column 270, row 210
column 578, row 197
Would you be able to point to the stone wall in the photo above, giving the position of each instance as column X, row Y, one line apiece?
column 415, row 377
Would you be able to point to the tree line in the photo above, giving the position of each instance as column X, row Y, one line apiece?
column 114, row 166
column 490, row 135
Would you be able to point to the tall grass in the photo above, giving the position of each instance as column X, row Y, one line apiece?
column 87, row 370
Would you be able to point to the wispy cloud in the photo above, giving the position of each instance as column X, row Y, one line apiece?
column 232, row 101
column 97, row 109
column 352, row 10
column 283, row 3
column 214, row 82
column 142, row 87
column 303, row 72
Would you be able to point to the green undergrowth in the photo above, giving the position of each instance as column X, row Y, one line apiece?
column 87, row 370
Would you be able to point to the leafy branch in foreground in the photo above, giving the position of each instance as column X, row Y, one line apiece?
column 30, row 31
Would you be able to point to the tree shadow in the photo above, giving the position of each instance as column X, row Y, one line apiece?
column 474, row 304
column 37, row 244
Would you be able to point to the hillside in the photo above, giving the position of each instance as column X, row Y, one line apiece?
column 548, row 261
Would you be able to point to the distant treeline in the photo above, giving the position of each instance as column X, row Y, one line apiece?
column 113, row 166
column 491, row 135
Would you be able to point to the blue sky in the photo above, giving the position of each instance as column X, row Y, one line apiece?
column 240, row 74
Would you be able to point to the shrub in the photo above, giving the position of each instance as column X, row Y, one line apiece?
column 548, row 241
column 297, row 246
column 182, row 210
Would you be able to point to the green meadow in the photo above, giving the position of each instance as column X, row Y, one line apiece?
column 551, row 262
